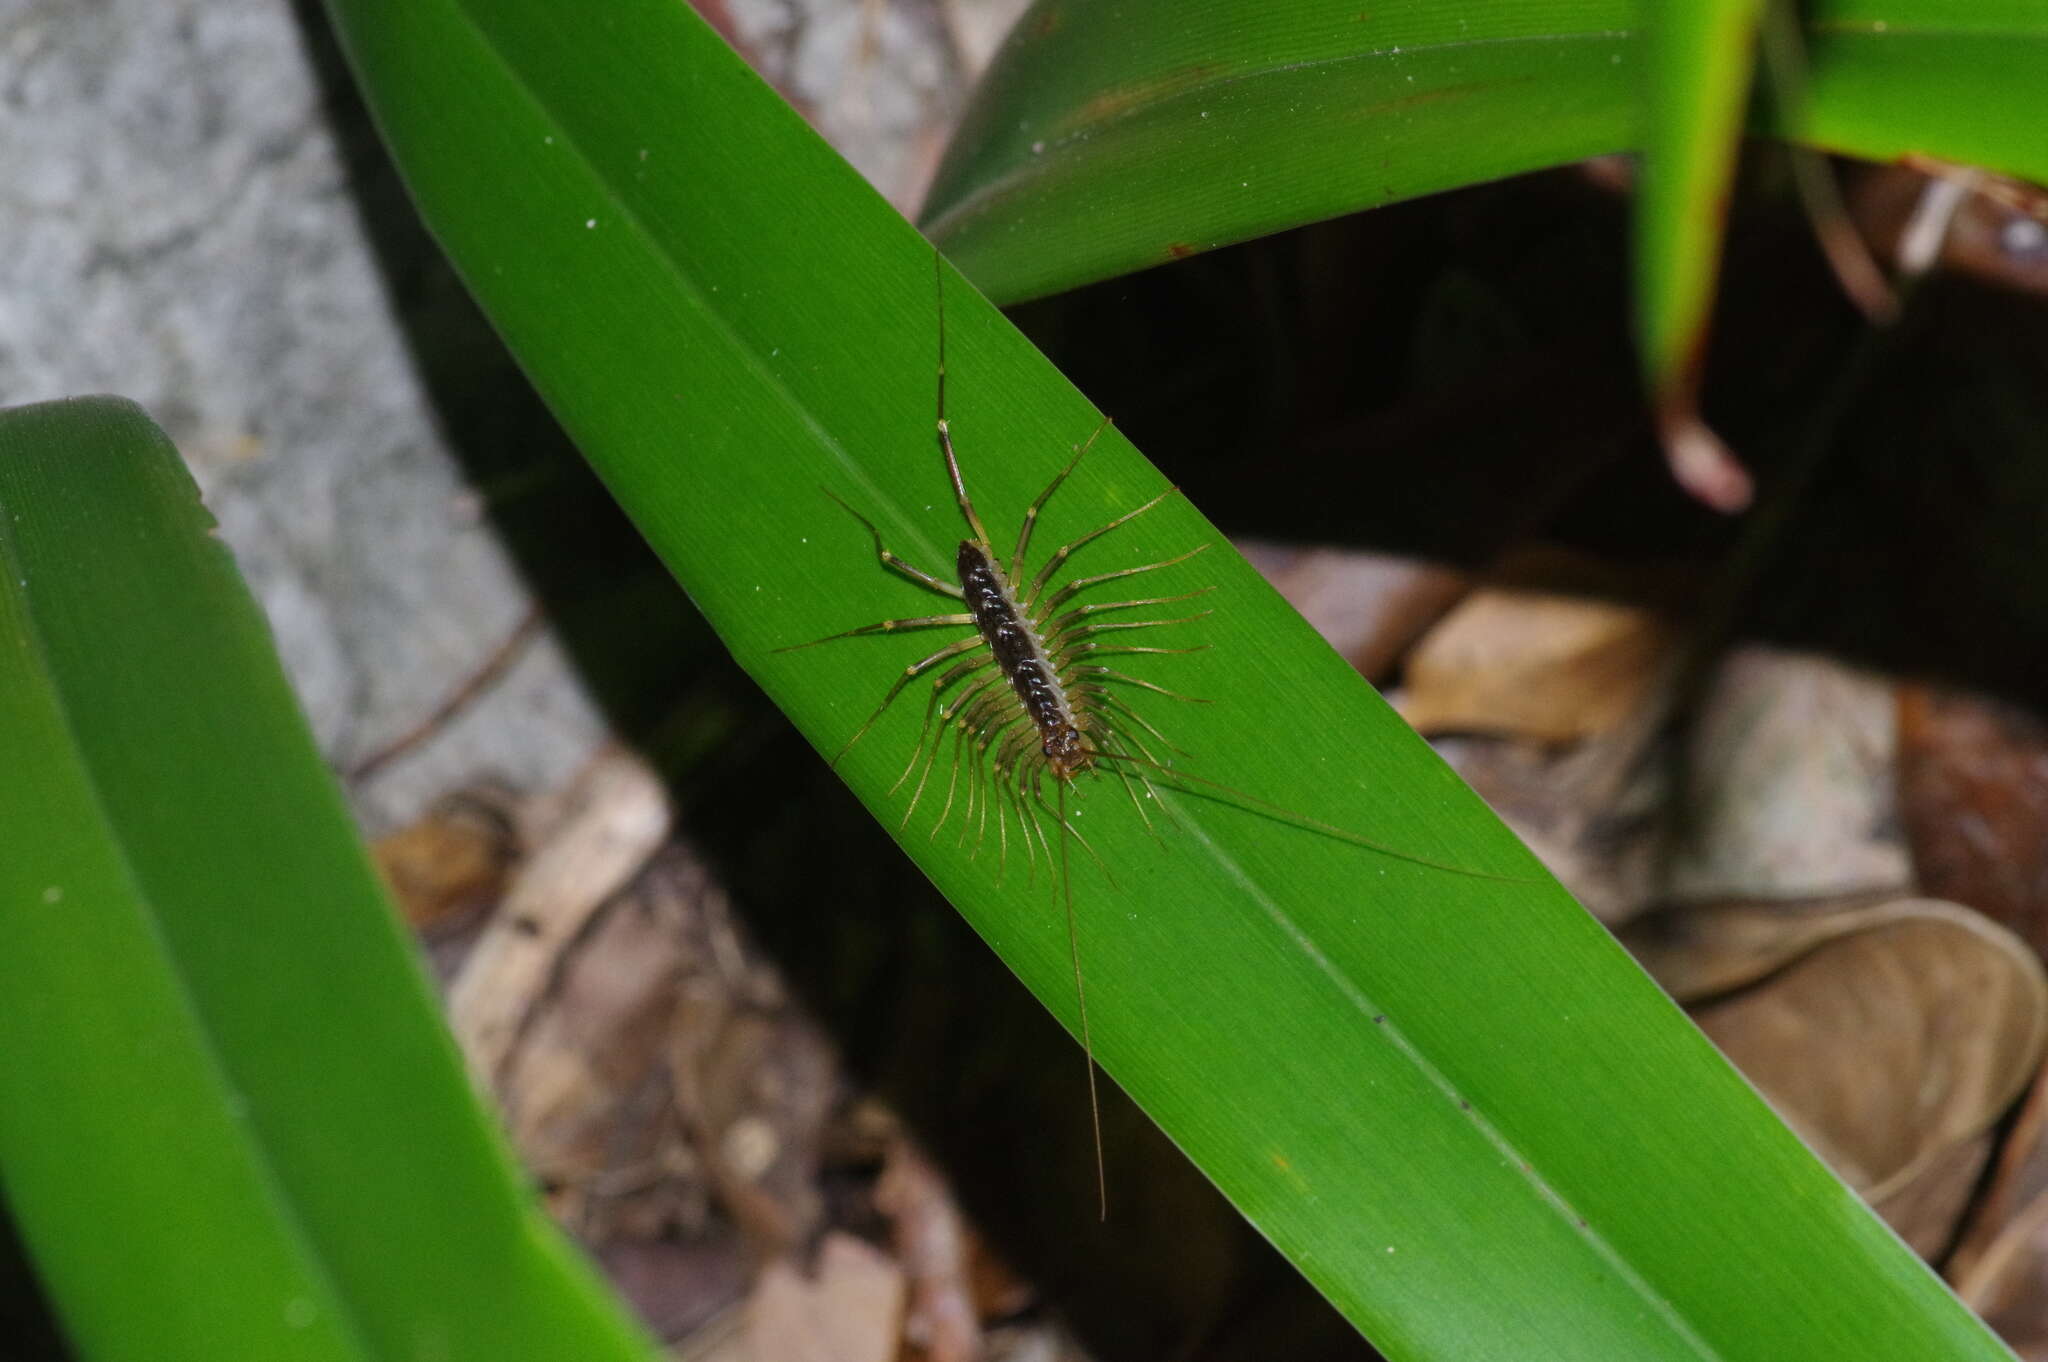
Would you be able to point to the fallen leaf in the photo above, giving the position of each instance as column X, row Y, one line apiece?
column 849, row 1310
column 1544, row 667
column 1368, row 606
column 1973, row 798
column 1789, row 789
column 1892, row 1050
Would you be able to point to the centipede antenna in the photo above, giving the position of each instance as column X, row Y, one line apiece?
column 1085, row 844
column 1081, row 1007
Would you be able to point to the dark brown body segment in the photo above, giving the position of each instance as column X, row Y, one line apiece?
column 1021, row 656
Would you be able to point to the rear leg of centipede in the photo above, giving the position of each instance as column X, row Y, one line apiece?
column 1066, row 893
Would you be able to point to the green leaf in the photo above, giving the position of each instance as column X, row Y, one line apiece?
column 232, row 1124
column 1451, row 1099
column 1107, row 138
column 1697, row 56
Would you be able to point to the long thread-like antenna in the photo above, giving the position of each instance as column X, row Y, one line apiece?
column 1081, row 1004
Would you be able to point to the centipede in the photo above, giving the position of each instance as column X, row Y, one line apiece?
column 1033, row 702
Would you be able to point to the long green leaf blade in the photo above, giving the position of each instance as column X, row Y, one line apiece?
column 1697, row 57
column 231, row 1122
column 1109, row 138
column 1451, row 1099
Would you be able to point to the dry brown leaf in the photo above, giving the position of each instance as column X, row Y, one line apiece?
column 455, row 858
column 755, row 1082
column 595, row 1042
column 1996, row 231
column 620, row 816
column 2004, row 1286
column 1892, row 1050
column 1548, row 668
column 1696, row 952
column 1606, row 844
column 1926, row 1208
column 849, row 1310
column 1973, row 796
column 1790, row 784
column 936, row 1248
column 2017, row 1181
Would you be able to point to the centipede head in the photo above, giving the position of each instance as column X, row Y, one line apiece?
column 1066, row 751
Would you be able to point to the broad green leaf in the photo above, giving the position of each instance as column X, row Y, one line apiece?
column 1451, row 1099
column 232, row 1124
column 1107, row 138
column 1697, row 56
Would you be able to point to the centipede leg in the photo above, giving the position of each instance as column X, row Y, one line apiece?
column 933, row 708
column 1060, row 555
column 891, row 561
column 977, row 776
column 1109, row 674
column 909, row 674
column 1111, row 702
column 961, row 718
column 1083, row 612
column 1073, row 651
column 1081, row 633
column 994, row 795
column 1080, row 584
column 1031, row 515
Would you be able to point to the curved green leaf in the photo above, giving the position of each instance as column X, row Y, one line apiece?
column 1452, row 1100
column 232, row 1124
column 1109, row 138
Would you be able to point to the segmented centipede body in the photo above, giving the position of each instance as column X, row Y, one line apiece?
column 1026, row 696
